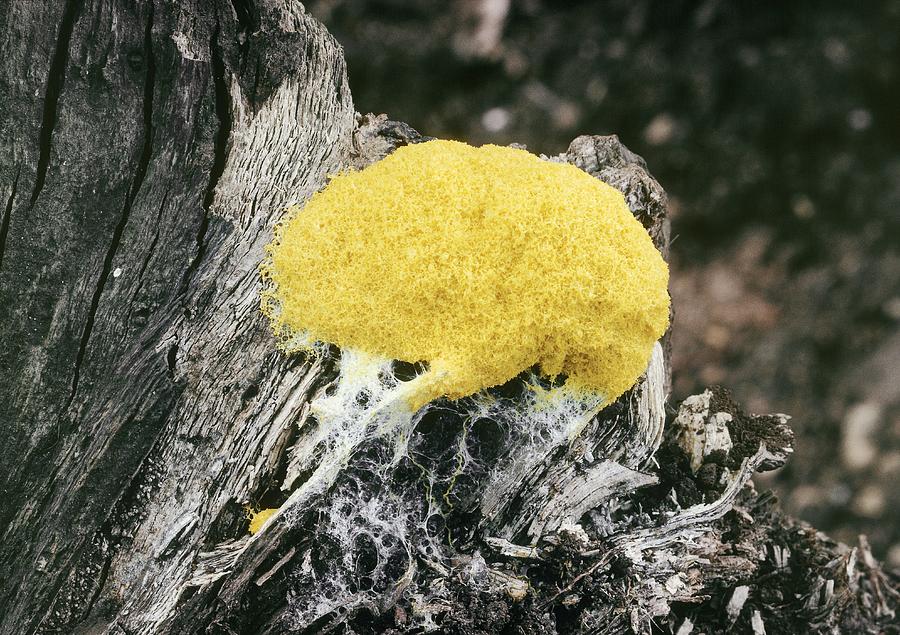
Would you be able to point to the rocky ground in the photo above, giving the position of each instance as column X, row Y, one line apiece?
column 774, row 127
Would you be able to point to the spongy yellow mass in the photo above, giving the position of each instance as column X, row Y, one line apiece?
column 258, row 519
column 480, row 261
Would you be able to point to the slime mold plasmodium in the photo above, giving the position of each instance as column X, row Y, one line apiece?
column 259, row 518
column 482, row 262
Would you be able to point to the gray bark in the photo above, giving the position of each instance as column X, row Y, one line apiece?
column 147, row 151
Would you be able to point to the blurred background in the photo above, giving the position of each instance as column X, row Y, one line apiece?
column 775, row 129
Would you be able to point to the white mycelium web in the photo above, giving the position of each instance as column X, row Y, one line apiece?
column 380, row 488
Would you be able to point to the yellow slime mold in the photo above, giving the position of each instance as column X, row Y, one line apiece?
column 480, row 261
column 259, row 518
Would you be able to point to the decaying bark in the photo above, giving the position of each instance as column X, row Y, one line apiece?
column 147, row 151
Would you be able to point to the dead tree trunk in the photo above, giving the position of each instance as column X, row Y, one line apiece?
column 147, row 150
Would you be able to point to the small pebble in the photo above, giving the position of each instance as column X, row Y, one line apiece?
column 858, row 446
column 869, row 502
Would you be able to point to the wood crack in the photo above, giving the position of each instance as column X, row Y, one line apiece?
column 139, row 175
column 7, row 215
column 248, row 19
column 172, row 360
column 145, row 263
column 220, row 154
column 151, row 249
column 223, row 114
column 101, row 583
column 55, row 81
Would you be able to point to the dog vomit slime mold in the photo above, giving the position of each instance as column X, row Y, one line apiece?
column 482, row 262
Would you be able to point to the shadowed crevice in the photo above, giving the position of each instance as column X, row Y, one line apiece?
column 220, row 154
column 139, row 175
column 55, row 82
column 7, row 214
column 247, row 16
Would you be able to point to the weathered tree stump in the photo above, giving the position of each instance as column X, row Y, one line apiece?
column 148, row 150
